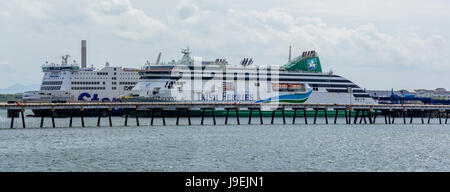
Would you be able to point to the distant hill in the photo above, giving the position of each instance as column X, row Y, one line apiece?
column 19, row 88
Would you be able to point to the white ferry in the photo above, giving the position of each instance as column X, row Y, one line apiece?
column 193, row 80
column 66, row 82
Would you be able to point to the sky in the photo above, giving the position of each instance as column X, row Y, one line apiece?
column 402, row 44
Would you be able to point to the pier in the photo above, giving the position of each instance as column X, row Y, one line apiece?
column 354, row 113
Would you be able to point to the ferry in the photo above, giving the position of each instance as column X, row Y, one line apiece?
column 301, row 80
column 68, row 82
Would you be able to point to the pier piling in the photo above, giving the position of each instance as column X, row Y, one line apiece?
column 53, row 117
column 226, row 116
column 42, row 121
column 203, row 115
column 336, row 115
column 189, row 115
column 213, row 115
column 99, row 114
column 388, row 114
column 260, row 116
column 163, row 116
column 71, row 117
column 350, row 116
column 237, row 116
column 315, row 115
column 356, row 116
column 404, row 116
column 178, row 116
column 346, row 116
column 23, row 117
column 82, row 116
column 126, row 116
column 273, row 117
column 374, row 116
column 250, row 116
column 109, row 116
column 152, row 116
column 12, row 120
column 411, row 114
column 439, row 115
column 137, row 116
column 446, row 117
column 304, row 114
column 385, row 116
column 421, row 114
column 295, row 114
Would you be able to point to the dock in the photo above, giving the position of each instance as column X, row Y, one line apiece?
column 353, row 112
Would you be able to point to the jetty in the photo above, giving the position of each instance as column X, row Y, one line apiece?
column 353, row 112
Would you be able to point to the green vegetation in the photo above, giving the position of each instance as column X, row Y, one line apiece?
column 10, row 97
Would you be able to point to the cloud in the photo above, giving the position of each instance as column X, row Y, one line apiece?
column 35, row 8
column 6, row 68
column 125, row 20
column 268, row 33
column 349, row 36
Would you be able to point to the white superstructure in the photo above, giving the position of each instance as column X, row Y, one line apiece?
column 68, row 82
column 190, row 80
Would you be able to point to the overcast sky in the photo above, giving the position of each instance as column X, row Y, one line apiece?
column 378, row 45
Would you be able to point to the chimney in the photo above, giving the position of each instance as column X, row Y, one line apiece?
column 83, row 53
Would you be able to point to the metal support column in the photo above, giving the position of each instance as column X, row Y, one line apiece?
column 23, row 117
column 335, row 116
column 304, row 114
column 295, row 113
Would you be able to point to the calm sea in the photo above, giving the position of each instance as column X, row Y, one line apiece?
column 254, row 147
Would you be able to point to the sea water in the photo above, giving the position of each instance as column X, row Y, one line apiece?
column 255, row 147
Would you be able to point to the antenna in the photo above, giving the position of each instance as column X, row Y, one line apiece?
column 289, row 60
column 64, row 59
column 159, row 57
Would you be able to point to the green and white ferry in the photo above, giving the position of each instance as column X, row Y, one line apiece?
column 301, row 80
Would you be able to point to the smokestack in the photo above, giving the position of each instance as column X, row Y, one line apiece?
column 83, row 53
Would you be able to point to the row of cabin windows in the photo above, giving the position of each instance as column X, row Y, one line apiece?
column 127, row 83
column 88, row 88
column 51, row 88
column 113, row 78
column 52, row 83
column 88, row 78
column 86, row 83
